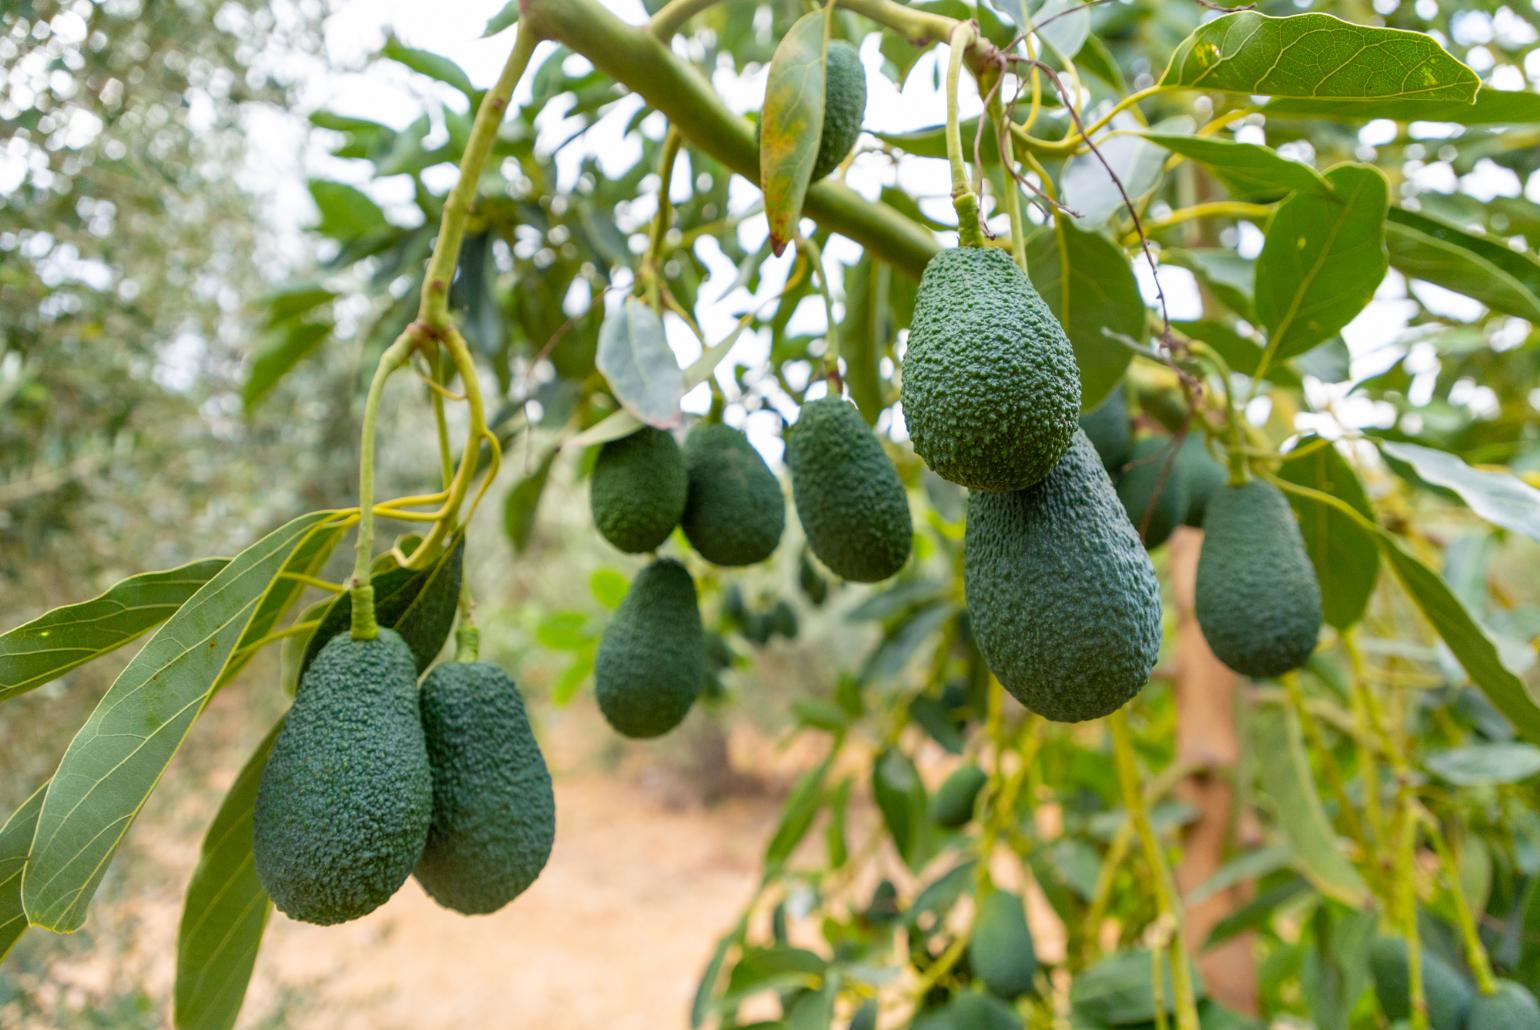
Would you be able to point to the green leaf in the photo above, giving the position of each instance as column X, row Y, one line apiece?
column 306, row 560
column 434, row 66
column 522, row 503
column 15, row 840
column 65, row 638
column 608, row 586
column 791, row 125
column 1089, row 284
column 1322, row 260
column 346, row 211
column 797, row 814
column 1346, row 561
column 1499, row 497
column 1504, row 279
column 1224, row 272
column 1065, row 25
column 781, row 967
column 1119, row 990
column 122, row 751
column 1248, row 170
column 813, row 1010
column 1481, row 764
column 1093, row 195
column 226, row 910
column 292, row 302
column 1301, row 818
column 866, row 333
column 900, row 795
column 280, row 354
column 502, row 19
column 636, row 361
column 700, row 1007
column 1317, row 56
column 1492, row 107
column 1466, row 640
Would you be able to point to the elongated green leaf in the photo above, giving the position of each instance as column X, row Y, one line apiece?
column 1479, row 764
column 791, row 124
column 1089, row 284
column 866, row 333
column 52, row 644
column 1466, row 640
column 434, row 66
column 797, row 814
column 503, row 19
column 1301, row 817
column 1318, row 56
column 15, row 839
column 285, row 350
column 1323, row 258
column 1343, row 553
column 1492, row 107
column 900, row 794
column 523, row 502
column 346, row 211
column 1502, row 278
column 700, row 1006
column 225, row 912
column 120, row 754
column 636, row 361
column 1499, row 497
column 1248, row 170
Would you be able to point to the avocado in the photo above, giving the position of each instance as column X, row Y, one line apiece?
column 1152, row 489
column 734, row 512
column 848, row 495
column 651, row 663
column 844, row 108
column 1000, row 951
column 990, row 390
column 952, row 804
column 1510, row 1007
column 1061, row 598
column 1201, row 476
column 343, row 808
column 783, row 618
column 638, row 490
column 1257, row 599
column 494, row 814
column 1447, row 993
column 1110, row 430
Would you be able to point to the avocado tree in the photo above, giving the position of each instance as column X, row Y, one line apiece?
column 1191, row 631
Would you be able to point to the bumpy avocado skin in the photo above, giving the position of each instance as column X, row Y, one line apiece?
column 652, row 660
column 1001, row 952
column 734, row 513
column 1110, row 429
column 848, row 494
column 990, row 389
column 1062, row 599
column 952, row 804
column 1257, row 598
column 844, row 106
column 1152, row 490
column 343, row 808
column 1510, row 1007
column 638, row 490
column 494, row 814
column 1201, row 475
column 1448, row 994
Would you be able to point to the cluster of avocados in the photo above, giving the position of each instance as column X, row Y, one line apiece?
column 373, row 778
column 1451, row 1000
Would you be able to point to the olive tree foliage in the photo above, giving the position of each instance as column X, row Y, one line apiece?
column 1293, row 168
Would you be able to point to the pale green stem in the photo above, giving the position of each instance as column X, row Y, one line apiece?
column 963, row 199
column 397, row 354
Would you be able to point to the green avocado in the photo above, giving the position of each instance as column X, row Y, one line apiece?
column 343, row 808
column 844, row 108
column 494, row 815
column 1152, row 489
column 990, row 390
column 1257, row 598
column 1000, row 951
column 1110, row 430
column 952, row 804
column 734, row 512
column 652, row 659
column 1510, row 1007
column 848, row 495
column 1201, row 475
column 1062, row 599
column 1447, row 993
column 638, row 490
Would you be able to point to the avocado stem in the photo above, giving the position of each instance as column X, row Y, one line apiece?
column 963, row 198
column 396, row 355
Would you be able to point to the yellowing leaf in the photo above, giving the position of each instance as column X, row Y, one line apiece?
column 791, row 124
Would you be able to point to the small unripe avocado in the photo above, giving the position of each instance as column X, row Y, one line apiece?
column 1110, row 429
column 735, row 512
column 1062, row 600
column 494, row 814
column 638, row 490
column 343, row 808
column 651, row 663
column 848, row 494
column 783, row 618
column 1510, row 1007
column 1257, row 598
column 1447, row 993
column 1001, row 952
column 990, row 388
column 952, row 804
column 1201, row 475
column 1152, row 490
